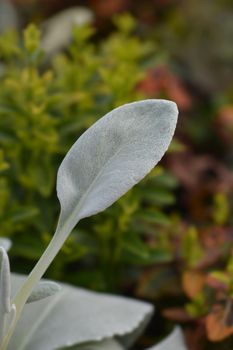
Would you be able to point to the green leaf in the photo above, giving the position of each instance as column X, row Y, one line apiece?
column 23, row 213
column 165, row 179
column 158, row 196
column 137, row 252
column 153, row 217
column 31, row 38
column 135, row 247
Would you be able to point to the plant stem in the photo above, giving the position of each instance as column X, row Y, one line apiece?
column 49, row 254
column 38, row 271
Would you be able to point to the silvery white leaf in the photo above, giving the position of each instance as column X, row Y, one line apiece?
column 58, row 28
column 112, row 156
column 175, row 341
column 108, row 344
column 75, row 316
column 5, row 243
column 43, row 290
column 129, row 339
column 8, row 15
column 5, row 291
column 106, row 161
column 5, row 286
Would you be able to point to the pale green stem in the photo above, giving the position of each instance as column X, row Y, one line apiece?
column 5, row 304
column 10, row 329
column 34, row 277
column 38, row 271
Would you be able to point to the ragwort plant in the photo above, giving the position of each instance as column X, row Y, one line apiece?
column 103, row 164
column 43, row 107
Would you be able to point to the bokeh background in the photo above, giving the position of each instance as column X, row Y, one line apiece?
column 63, row 65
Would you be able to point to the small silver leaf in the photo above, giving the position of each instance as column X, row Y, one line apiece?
column 43, row 290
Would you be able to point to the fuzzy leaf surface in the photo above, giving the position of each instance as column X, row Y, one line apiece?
column 112, row 156
column 74, row 317
column 43, row 290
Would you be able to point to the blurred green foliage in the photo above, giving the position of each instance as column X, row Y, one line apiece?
column 44, row 107
column 170, row 238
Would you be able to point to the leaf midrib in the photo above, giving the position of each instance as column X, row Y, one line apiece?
column 41, row 318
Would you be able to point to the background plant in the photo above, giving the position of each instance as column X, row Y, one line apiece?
column 179, row 67
column 43, row 109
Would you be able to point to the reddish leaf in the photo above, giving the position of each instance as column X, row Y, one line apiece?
column 108, row 8
column 156, row 282
column 201, row 171
column 178, row 314
column 210, row 257
column 196, row 336
column 193, row 282
column 224, row 124
column 162, row 81
column 216, row 283
column 219, row 323
column 216, row 236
